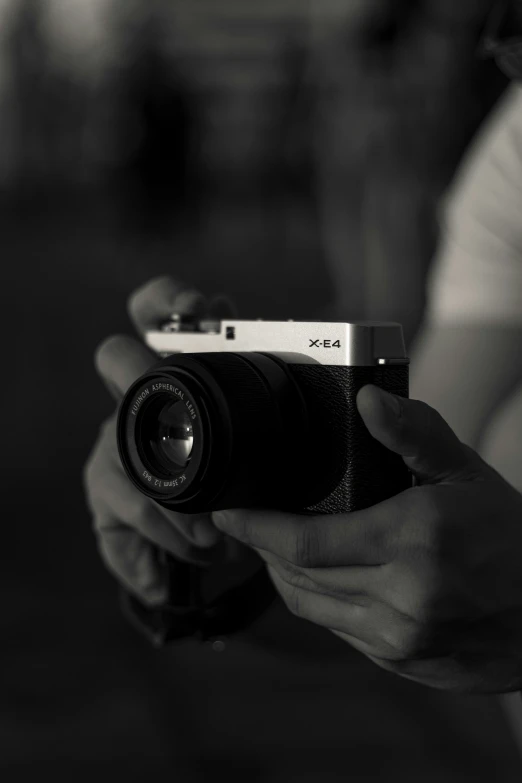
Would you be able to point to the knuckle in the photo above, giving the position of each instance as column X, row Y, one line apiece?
column 90, row 488
column 144, row 567
column 108, row 427
column 110, row 552
column 425, row 530
column 414, row 591
column 306, row 545
column 89, row 473
column 104, row 526
column 98, row 464
column 140, row 511
column 406, row 640
column 296, row 579
column 98, row 526
column 423, row 601
column 108, row 441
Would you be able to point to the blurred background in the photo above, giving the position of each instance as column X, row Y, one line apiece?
column 292, row 154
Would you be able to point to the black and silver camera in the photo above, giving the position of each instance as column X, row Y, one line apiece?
column 262, row 414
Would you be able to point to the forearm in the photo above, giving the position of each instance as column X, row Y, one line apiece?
column 466, row 371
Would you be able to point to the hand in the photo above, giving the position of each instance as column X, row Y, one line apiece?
column 428, row 584
column 131, row 529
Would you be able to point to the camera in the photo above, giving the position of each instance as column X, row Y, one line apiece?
column 239, row 413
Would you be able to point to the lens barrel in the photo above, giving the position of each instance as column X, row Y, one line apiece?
column 200, row 432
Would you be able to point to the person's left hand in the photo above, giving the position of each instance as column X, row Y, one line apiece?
column 428, row 584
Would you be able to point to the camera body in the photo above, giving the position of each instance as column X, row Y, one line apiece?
column 263, row 413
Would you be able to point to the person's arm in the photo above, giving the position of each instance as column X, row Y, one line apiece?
column 468, row 356
column 465, row 371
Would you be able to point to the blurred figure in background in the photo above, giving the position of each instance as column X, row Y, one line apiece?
column 322, row 134
column 270, row 150
column 400, row 92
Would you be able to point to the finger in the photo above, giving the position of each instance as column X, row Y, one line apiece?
column 196, row 528
column 156, row 302
column 104, row 468
column 416, row 431
column 360, row 538
column 365, row 648
column 103, row 455
column 103, row 475
column 117, row 499
column 326, row 611
column 133, row 561
column 120, row 361
column 382, row 631
column 443, row 671
column 344, row 583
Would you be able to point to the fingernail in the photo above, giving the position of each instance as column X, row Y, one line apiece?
column 391, row 403
column 205, row 533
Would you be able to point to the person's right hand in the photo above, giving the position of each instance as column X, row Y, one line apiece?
column 132, row 529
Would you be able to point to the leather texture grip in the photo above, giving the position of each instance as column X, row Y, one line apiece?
column 353, row 470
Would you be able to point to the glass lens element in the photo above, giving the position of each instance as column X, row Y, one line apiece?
column 173, row 436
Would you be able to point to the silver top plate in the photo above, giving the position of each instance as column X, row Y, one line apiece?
column 361, row 343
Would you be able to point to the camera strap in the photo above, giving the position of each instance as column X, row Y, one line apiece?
column 232, row 611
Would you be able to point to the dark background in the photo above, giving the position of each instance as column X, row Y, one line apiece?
column 292, row 155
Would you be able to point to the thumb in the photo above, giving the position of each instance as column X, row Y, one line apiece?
column 417, row 432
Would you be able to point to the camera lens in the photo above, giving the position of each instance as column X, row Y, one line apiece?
column 166, row 435
column 219, row 428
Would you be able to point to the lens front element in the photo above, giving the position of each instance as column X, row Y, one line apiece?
column 175, row 434
column 166, row 435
